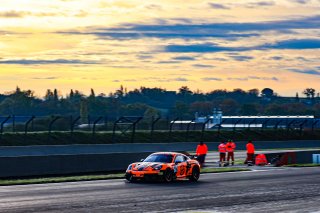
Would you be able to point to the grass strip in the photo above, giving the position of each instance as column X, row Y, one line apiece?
column 43, row 180
column 303, row 165
column 219, row 170
column 25, row 181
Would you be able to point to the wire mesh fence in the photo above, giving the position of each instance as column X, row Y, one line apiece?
column 156, row 129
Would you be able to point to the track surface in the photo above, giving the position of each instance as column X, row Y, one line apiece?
column 289, row 190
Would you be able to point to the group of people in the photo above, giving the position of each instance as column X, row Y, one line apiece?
column 226, row 153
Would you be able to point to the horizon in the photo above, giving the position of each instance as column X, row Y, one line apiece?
column 205, row 45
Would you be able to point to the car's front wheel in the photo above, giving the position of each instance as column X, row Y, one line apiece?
column 168, row 176
column 195, row 174
column 129, row 177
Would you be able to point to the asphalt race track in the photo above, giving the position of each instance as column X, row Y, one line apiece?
column 272, row 190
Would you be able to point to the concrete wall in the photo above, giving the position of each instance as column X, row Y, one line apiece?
column 66, row 164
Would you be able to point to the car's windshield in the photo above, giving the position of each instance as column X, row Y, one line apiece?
column 164, row 158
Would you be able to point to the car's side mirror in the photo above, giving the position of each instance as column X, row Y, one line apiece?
column 142, row 160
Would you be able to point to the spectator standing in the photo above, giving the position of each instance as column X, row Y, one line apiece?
column 201, row 153
column 222, row 153
column 250, row 153
column 230, row 147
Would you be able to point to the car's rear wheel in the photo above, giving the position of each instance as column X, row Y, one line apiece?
column 130, row 177
column 168, row 176
column 195, row 174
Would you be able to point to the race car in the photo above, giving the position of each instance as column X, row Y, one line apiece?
column 166, row 166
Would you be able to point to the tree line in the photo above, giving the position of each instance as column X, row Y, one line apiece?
column 149, row 102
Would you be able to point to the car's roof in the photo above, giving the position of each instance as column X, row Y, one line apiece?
column 168, row 153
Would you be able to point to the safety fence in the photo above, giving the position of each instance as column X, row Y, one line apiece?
column 151, row 127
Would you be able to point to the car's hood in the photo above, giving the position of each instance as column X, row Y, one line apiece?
column 146, row 165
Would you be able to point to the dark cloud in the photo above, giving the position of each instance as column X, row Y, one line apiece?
column 37, row 62
column 237, row 79
column 298, row 44
column 276, row 58
column 307, row 71
column 242, row 58
column 261, row 4
column 301, row 1
column 201, row 48
column 211, row 79
column 254, row 78
column 169, row 62
column 218, row 6
column 203, row 66
column 12, row 14
column 45, row 78
column 184, row 58
column 187, row 30
column 180, row 79
column 263, row 78
column 145, row 57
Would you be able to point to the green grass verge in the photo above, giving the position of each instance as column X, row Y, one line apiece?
column 219, row 170
column 42, row 180
column 303, row 165
column 24, row 181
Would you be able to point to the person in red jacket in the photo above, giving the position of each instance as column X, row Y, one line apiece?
column 230, row 147
column 250, row 153
column 222, row 153
column 201, row 153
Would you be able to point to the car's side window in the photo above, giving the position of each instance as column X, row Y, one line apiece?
column 185, row 158
column 179, row 159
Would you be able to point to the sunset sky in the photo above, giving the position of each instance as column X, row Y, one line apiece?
column 205, row 45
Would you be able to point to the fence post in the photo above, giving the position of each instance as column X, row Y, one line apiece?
column 94, row 125
column 134, row 129
column 13, row 123
column 288, row 126
column 153, row 123
column 52, row 122
column 27, row 124
column 313, row 124
column 203, row 128
column 170, row 127
column 3, row 122
column 188, row 128
column 73, row 123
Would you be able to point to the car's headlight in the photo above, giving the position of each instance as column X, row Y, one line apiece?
column 129, row 167
column 157, row 167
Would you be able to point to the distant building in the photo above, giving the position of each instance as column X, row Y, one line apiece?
column 217, row 120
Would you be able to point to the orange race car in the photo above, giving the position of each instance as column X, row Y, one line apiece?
column 166, row 166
